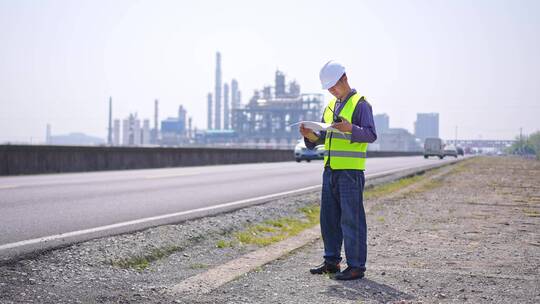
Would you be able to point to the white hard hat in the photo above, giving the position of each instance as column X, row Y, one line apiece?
column 330, row 73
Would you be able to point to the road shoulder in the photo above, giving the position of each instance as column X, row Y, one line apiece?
column 470, row 236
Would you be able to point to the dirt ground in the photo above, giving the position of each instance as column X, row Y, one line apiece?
column 468, row 235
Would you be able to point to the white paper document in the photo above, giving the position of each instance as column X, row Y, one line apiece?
column 315, row 126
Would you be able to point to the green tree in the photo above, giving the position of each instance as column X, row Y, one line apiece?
column 534, row 141
column 527, row 145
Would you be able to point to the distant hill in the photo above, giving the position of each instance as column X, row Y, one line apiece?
column 76, row 139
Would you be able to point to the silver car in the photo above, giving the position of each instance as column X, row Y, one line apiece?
column 450, row 150
column 301, row 152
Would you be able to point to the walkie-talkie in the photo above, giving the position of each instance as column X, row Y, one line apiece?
column 336, row 118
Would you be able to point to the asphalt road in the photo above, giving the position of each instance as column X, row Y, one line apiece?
column 39, row 206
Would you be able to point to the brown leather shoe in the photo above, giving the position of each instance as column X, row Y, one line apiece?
column 350, row 273
column 325, row 268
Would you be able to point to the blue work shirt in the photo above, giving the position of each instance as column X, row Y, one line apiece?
column 363, row 126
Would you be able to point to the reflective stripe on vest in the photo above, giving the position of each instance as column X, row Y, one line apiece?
column 346, row 154
column 340, row 135
column 340, row 152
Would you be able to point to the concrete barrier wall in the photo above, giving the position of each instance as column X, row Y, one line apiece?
column 21, row 159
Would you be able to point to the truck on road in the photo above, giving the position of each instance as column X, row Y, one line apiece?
column 433, row 146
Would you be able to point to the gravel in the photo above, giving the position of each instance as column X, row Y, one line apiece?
column 467, row 237
column 454, row 243
column 89, row 273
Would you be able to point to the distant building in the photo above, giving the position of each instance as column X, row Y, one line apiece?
column 172, row 125
column 294, row 88
column 174, row 129
column 125, row 132
column 215, row 137
column 131, row 131
column 171, row 131
column 209, row 111
column 116, row 132
column 397, row 139
column 137, row 135
column 482, row 145
column 382, row 122
column 426, row 125
column 226, row 108
column 145, row 133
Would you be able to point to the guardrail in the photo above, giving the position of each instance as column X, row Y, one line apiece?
column 34, row 159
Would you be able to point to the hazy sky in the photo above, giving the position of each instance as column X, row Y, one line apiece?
column 477, row 63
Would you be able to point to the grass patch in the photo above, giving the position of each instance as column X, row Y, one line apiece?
column 380, row 219
column 142, row 262
column 223, row 244
column 258, row 269
column 272, row 231
column 385, row 189
column 198, row 266
column 462, row 166
column 531, row 213
column 430, row 185
column 428, row 182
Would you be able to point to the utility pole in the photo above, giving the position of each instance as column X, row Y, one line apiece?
column 520, row 141
column 155, row 136
column 109, row 135
column 455, row 138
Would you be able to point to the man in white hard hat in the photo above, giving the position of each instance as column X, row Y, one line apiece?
column 343, row 219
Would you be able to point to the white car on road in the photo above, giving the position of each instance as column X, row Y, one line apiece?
column 301, row 152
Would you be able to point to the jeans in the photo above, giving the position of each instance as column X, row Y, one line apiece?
column 343, row 218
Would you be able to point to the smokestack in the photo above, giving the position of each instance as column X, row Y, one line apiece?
column 280, row 84
column 182, row 118
column 234, row 94
column 209, row 127
column 239, row 98
column 217, row 95
column 190, row 125
column 226, row 114
column 155, row 133
column 109, row 137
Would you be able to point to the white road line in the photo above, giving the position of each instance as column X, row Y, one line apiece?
column 8, row 186
column 71, row 183
column 172, row 175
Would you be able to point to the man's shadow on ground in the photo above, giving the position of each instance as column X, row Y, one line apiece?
column 365, row 289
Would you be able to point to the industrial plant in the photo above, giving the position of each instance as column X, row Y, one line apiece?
column 266, row 119
column 263, row 122
column 172, row 131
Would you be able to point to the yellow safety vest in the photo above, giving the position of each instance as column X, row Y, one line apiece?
column 344, row 154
